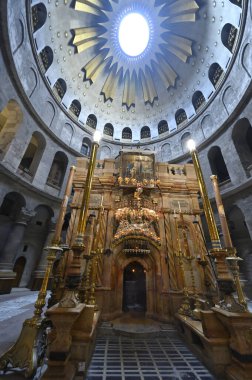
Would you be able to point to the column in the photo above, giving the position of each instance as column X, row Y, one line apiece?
column 11, row 249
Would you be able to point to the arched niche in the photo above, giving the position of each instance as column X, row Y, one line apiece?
column 46, row 57
column 162, row 127
column 184, row 140
column 215, row 74
column 242, row 139
column 198, row 100
column 92, row 121
column 60, row 88
column 105, row 152
column 12, row 205
column 108, row 130
column 180, row 117
column 145, row 132
column 33, row 154
column 228, row 36
column 39, row 15
column 127, row 133
column 10, row 119
column 166, row 152
column 75, row 108
column 218, row 165
column 67, row 133
column 86, row 146
column 58, row 170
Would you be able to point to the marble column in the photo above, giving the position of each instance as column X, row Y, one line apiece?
column 38, row 274
column 11, row 249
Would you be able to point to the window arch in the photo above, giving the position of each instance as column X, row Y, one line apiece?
column 215, row 73
column 184, row 140
column 162, row 127
column 91, row 121
column 228, row 36
column 217, row 164
column 12, row 205
column 108, row 129
column 39, row 15
column 75, row 107
column 46, row 56
column 60, row 88
column 198, row 99
column 58, row 170
column 236, row 2
column 145, row 132
column 127, row 133
column 33, row 154
column 86, row 147
column 180, row 116
column 242, row 138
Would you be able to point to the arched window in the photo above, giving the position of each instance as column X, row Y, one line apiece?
column 127, row 133
column 75, row 107
column 46, row 56
column 236, row 2
column 33, row 154
column 58, row 169
column 198, row 99
column 60, row 88
column 12, row 204
column 180, row 116
column 215, row 73
column 228, row 36
column 217, row 164
column 108, row 130
column 91, row 121
column 184, row 140
column 162, row 127
column 39, row 15
column 86, row 147
column 242, row 138
column 145, row 132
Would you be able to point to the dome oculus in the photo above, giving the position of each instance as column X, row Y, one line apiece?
column 134, row 34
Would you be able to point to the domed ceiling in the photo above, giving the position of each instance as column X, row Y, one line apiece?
column 187, row 57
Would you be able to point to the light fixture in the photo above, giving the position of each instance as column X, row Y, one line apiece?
column 134, row 34
column 97, row 137
column 191, row 145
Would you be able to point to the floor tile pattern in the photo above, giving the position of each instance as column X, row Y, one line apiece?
column 165, row 358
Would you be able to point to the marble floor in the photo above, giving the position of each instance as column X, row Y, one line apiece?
column 128, row 348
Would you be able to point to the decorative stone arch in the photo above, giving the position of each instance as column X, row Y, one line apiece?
column 145, row 132
column 198, row 100
column 105, row 152
column 215, row 74
column 58, row 170
column 228, row 36
column 184, row 140
column 33, row 154
column 60, row 88
column 67, row 133
column 166, row 152
column 46, row 57
column 242, row 139
column 163, row 127
column 10, row 119
column 12, row 205
column 108, row 130
column 92, row 121
column 218, row 165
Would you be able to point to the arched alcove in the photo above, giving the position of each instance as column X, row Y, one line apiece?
column 198, row 100
column 60, row 88
column 215, row 74
column 33, row 154
column 91, row 121
column 218, row 165
column 180, row 116
column 67, row 133
column 108, row 130
column 242, row 138
column 58, row 170
column 145, row 132
column 75, row 108
column 162, row 127
column 166, row 152
column 134, row 287
column 184, row 140
column 127, row 133
column 86, row 146
column 11, row 205
column 228, row 36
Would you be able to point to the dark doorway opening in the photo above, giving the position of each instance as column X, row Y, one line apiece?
column 134, row 288
column 19, row 269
